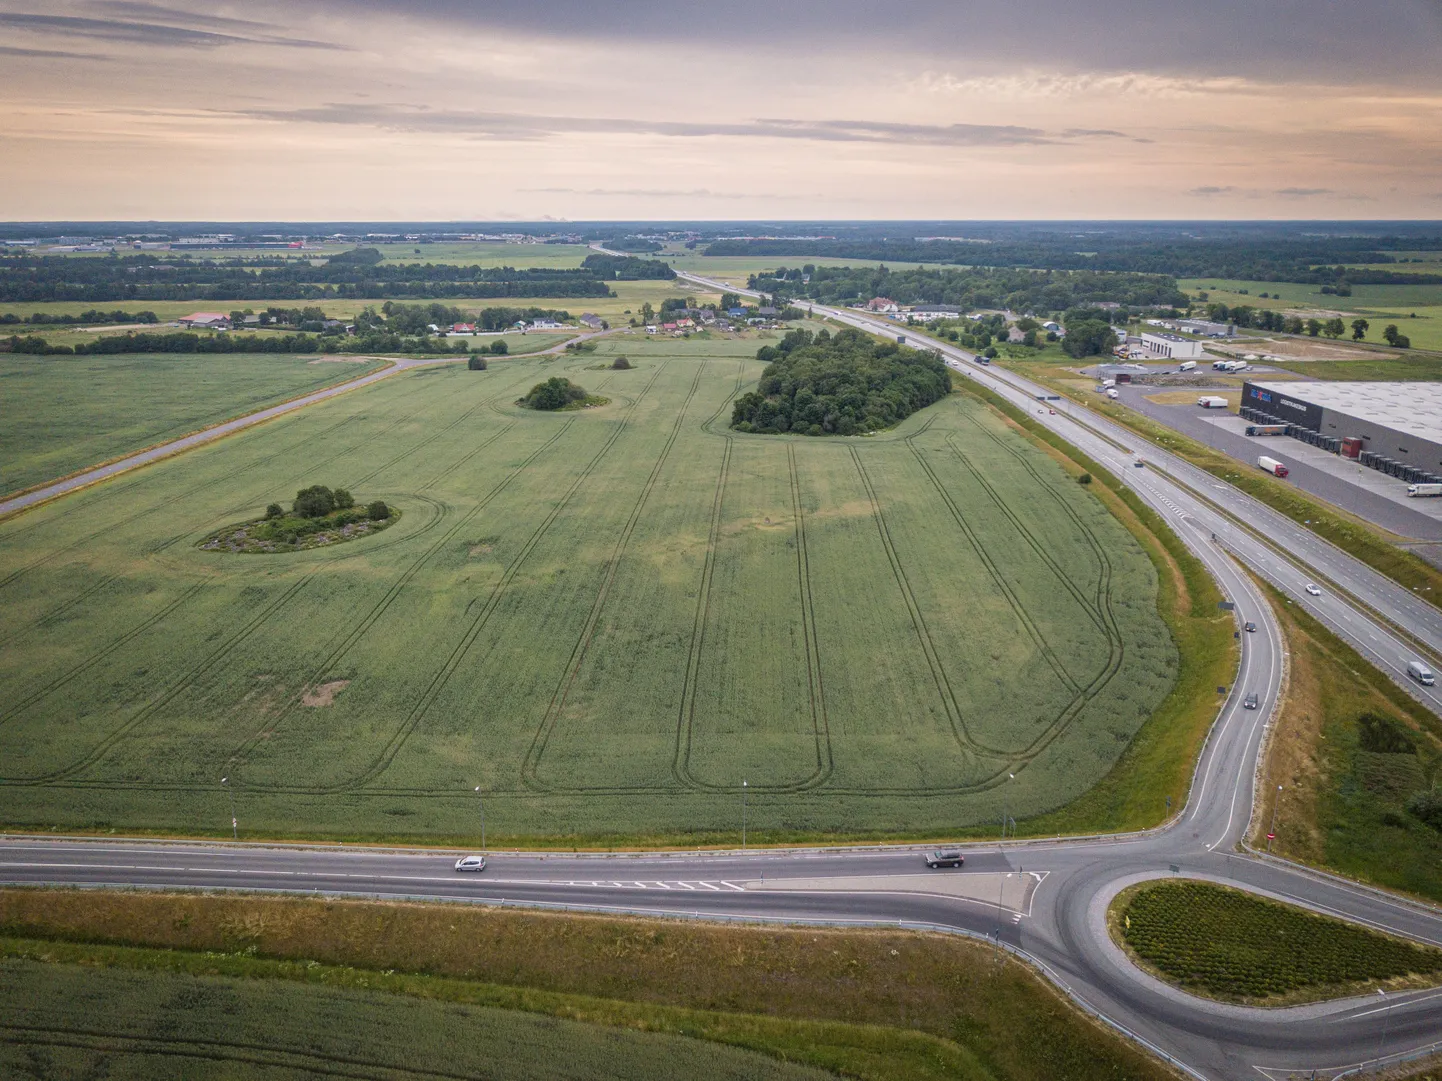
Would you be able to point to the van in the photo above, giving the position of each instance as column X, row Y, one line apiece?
column 1421, row 673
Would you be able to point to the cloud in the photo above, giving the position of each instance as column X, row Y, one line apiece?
column 414, row 118
column 144, row 33
column 47, row 54
column 1302, row 193
column 1211, row 189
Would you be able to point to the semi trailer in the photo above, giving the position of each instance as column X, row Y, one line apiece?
column 1416, row 490
column 1272, row 466
column 1212, row 401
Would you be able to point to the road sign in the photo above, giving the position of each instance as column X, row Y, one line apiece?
column 1271, row 836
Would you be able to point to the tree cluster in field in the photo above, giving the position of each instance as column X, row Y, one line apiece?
column 1088, row 333
column 838, row 385
column 1229, row 944
column 1019, row 290
column 85, row 318
column 318, row 502
column 1317, row 261
column 318, row 515
column 558, row 392
column 29, row 277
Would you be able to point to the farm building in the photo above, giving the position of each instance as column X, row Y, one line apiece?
column 205, row 321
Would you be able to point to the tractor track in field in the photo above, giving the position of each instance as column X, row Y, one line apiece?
column 197, row 671
column 387, row 754
column 238, row 755
column 530, row 766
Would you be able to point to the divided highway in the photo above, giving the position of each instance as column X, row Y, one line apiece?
column 1045, row 901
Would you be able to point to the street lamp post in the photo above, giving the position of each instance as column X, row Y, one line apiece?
column 481, row 803
column 234, row 824
column 1272, row 829
column 743, row 816
column 1009, row 777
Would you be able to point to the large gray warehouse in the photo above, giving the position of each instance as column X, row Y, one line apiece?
column 1377, row 422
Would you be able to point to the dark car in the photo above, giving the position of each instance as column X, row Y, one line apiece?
column 1250, row 702
column 946, row 857
column 1251, row 626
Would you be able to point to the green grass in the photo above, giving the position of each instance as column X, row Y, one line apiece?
column 62, row 413
column 879, row 1004
column 1298, row 295
column 1414, row 367
column 124, row 1022
column 605, row 619
column 1345, row 807
column 1238, row 947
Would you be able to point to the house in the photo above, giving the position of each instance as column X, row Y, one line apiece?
column 546, row 324
column 883, row 304
column 686, row 323
column 590, row 319
column 1016, row 335
column 668, row 326
column 463, row 328
column 707, row 315
column 769, row 312
column 205, row 321
column 736, row 313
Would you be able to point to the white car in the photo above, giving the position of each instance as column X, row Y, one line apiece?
column 471, row 863
column 1313, row 590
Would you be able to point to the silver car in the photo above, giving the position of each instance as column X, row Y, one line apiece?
column 471, row 863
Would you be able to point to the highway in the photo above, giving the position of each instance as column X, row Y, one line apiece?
column 1044, row 901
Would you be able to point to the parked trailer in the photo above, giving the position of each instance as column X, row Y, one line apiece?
column 1186, row 365
column 1415, row 490
column 1211, row 401
column 1272, row 466
column 1267, row 429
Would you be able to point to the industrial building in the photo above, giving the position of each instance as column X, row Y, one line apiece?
column 1392, row 427
column 1171, row 346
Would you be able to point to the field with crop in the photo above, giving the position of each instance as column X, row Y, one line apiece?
column 64, row 413
column 74, row 1021
column 607, row 620
column 1227, row 944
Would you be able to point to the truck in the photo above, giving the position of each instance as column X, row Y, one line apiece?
column 1416, row 490
column 1212, row 401
column 1186, row 365
column 1112, row 392
column 1266, row 429
column 1272, row 466
column 1421, row 673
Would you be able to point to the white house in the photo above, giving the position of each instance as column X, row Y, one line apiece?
column 885, row 305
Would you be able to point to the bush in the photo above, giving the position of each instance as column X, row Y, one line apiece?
column 477, row 363
column 1085, row 478
column 499, row 347
column 1428, row 807
column 554, row 393
column 621, row 364
column 378, row 511
column 274, row 511
column 1384, row 735
column 314, row 502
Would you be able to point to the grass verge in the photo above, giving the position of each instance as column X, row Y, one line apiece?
column 1225, row 944
column 1343, row 805
column 1159, row 761
column 871, row 1004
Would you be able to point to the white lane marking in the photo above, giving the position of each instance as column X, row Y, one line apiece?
column 1393, row 1006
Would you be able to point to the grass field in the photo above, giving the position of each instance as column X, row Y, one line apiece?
column 64, row 413
column 883, row 1005
column 118, row 1023
column 1238, row 947
column 1344, row 806
column 607, row 620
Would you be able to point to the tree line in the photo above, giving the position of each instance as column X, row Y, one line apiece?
column 838, row 385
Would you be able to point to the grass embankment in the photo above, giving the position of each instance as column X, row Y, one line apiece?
column 118, row 1022
column 1237, row 947
column 1159, row 761
column 1354, row 536
column 1344, row 807
column 872, row 1004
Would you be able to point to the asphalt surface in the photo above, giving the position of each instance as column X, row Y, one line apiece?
column 1050, row 896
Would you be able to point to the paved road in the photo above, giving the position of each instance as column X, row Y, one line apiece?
column 1050, row 898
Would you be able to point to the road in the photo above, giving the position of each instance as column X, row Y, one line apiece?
column 1045, row 901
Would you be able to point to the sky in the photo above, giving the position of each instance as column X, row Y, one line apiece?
column 478, row 110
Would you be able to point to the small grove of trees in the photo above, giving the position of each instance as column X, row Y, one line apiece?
column 1088, row 333
column 1395, row 339
column 1359, row 329
column 622, row 364
column 555, row 393
column 1334, row 327
column 318, row 501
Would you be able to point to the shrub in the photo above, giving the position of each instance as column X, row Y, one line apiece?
column 274, row 511
column 477, row 363
column 499, row 347
column 554, row 393
column 314, row 502
column 621, row 364
column 1428, row 807
column 1085, row 478
column 378, row 511
column 1384, row 735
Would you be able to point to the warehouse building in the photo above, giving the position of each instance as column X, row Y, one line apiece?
column 1394, row 427
column 1171, row 346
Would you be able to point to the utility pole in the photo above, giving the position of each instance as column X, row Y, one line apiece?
column 234, row 824
column 1272, row 829
column 481, row 803
column 743, row 816
column 1009, row 777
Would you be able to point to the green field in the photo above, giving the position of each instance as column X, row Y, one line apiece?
column 1236, row 946
column 607, row 620
column 81, row 1021
column 64, row 413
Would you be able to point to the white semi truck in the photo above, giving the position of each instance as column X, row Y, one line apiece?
column 1416, row 490
column 1272, row 466
column 1212, row 401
